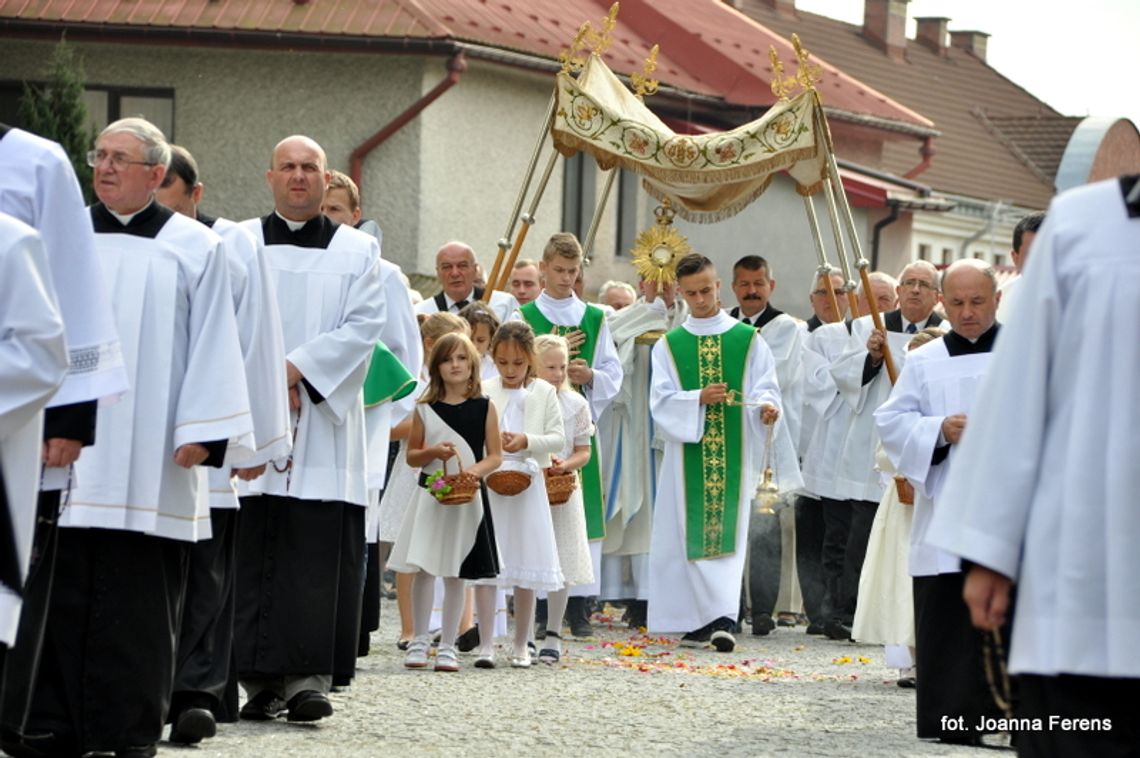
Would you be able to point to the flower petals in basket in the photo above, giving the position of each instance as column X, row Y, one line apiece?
column 559, row 487
column 453, row 489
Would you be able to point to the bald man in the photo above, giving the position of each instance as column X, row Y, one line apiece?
column 301, row 531
column 920, row 426
column 456, row 267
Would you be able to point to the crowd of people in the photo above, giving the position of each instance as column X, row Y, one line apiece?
column 216, row 436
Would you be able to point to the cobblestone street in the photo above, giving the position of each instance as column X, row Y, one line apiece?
column 622, row 693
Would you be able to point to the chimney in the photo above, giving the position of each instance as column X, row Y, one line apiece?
column 971, row 42
column 884, row 23
column 932, row 32
column 784, row 8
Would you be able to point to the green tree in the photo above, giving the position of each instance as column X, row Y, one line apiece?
column 56, row 110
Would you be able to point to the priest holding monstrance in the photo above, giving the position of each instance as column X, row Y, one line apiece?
column 715, row 399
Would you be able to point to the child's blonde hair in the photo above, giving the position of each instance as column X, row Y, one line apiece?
column 544, row 343
column 436, row 325
column 929, row 334
column 443, row 349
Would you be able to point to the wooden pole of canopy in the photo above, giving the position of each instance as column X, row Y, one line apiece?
column 528, row 222
column 861, row 262
column 596, row 221
column 837, row 231
column 825, row 269
column 505, row 241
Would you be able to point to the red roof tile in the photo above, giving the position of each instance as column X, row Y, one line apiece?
column 948, row 86
column 707, row 48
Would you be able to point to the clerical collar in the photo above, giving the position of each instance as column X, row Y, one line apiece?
column 125, row 218
column 956, row 344
column 316, row 232
column 147, row 222
column 551, row 300
column 293, row 225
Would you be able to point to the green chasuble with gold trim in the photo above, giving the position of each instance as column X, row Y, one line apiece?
column 387, row 379
column 714, row 466
column 591, row 474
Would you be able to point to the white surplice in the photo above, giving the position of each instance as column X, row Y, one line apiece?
column 855, row 475
column 786, row 341
column 1044, row 487
column 932, row 386
column 174, row 312
column 504, row 305
column 33, row 364
column 685, row 595
column 263, row 354
column 826, row 415
column 333, row 311
column 39, row 187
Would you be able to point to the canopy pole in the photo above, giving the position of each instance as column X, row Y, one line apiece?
column 837, row 232
column 825, row 269
column 596, row 221
column 861, row 262
column 527, row 221
column 505, row 241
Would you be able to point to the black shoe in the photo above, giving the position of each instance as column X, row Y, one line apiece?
column 137, row 751
column 468, row 641
column 907, row 682
column 578, row 618
column 697, row 637
column 723, row 641
column 837, row 630
column 37, row 744
column 814, row 628
column 309, row 705
column 786, row 619
column 264, row 706
column 193, row 725
column 638, row 613
column 762, row 625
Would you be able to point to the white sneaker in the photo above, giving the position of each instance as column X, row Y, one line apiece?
column 486, row 659
column 446, row 658
column 417, row 655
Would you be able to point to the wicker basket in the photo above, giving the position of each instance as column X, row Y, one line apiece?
column 508, row 482
column 905, row 490
column 559, row 487
column 463, row 485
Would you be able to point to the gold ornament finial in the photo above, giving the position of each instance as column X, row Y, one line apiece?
column 642, row 83
column 608, row 25
column 808, row 74
column 781, row 85
column 571, row 56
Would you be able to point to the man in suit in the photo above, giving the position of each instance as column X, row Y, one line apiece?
column 753, row 284
column 456, row 268
column 861, row 382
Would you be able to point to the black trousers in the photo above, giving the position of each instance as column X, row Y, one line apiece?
column 350, row 594
column 107, row 666
column 950, row 659
column 288, row 572
column 21, row 667
column 764, row 554
column 205, row 642
column 858, row 534
column 1109, row 704
column 833, row 556
column 809, row 555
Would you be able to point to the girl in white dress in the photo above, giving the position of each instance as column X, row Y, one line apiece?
column 404, row 480
column 531, row 429
column 552, row 354
column 455, row 542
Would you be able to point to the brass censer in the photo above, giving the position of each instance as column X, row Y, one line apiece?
column 768, row 490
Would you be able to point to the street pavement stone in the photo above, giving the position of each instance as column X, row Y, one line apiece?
column 621, row 693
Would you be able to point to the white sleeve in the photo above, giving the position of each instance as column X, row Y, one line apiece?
column 607, row 373
column 677, row 413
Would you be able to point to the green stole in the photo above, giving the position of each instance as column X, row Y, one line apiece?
column 387, row 379
column 591, row 474
column 713, row 467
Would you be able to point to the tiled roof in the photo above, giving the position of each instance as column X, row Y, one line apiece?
column 948, row 87
column 707, row 48
column 1038, row 140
